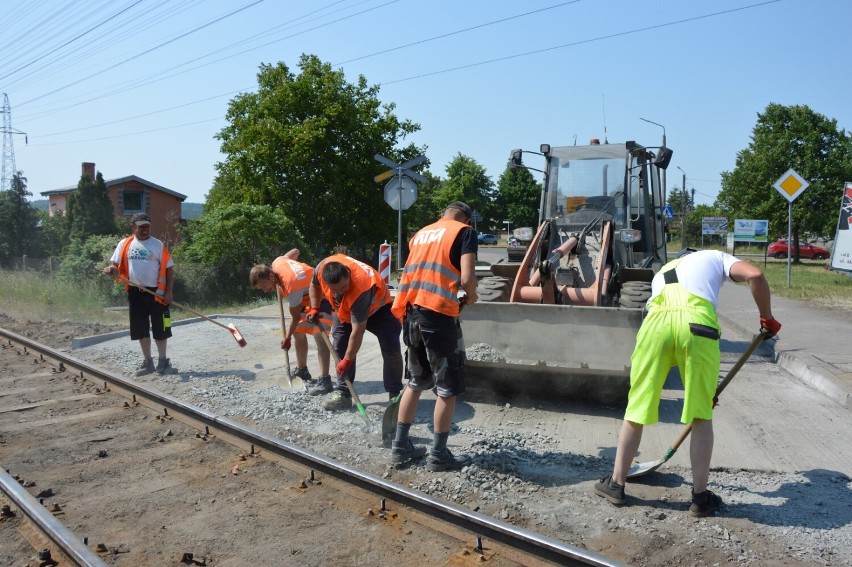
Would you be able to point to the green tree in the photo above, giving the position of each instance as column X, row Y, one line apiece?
column 466, row 181
column 90, row 210
column 790, row 137
column 305, row 143
column 518, row 197
column 231, row 239
column 18, row 220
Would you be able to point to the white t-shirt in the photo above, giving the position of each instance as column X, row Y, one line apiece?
column 143, row 260
column 701, row 273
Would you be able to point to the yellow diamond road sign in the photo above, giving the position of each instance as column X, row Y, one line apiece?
column 791, row 185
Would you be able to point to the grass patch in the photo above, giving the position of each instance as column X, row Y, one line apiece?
column 39, row 297
column 809, row 281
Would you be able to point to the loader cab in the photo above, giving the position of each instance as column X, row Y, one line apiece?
column 587, row 187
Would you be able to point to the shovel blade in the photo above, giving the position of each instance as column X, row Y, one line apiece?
column 644, row 468
column 389, row 421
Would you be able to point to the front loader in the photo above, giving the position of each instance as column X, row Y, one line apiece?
column 563, row 321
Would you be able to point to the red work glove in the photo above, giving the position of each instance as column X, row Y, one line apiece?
column 285, row 344
column 343, row 366
column 770, row 327
column 313, row 316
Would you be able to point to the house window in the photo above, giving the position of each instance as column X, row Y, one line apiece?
column 132, row 202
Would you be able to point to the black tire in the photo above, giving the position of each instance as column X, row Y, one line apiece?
column 634, row 294
column 819, row 257
column 494, row 289
column 780, row 255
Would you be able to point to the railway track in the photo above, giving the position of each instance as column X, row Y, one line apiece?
column 103, row 470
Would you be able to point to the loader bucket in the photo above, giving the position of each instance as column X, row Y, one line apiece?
column 551, row 350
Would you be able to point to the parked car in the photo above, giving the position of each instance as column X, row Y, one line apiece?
column 485, row 238
column 778, row 249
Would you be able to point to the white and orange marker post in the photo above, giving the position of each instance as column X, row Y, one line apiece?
column 385, row 261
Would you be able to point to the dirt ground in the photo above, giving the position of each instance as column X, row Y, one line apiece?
column 522, row 475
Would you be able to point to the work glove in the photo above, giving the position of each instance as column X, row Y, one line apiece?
column 313, row 316
column 343, row 366
column 770, row 327
column 285, row 344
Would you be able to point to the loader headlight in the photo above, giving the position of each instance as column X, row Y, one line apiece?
column 629, row 235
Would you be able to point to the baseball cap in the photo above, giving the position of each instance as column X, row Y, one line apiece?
column 140, row 218
column 463, row 207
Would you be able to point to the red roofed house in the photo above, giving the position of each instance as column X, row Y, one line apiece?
column 131, row 195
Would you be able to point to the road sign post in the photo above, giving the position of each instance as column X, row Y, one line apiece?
column 790, row 185
column 401, row 183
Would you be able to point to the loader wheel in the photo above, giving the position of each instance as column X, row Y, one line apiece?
column 494, row 289
column 634, row 294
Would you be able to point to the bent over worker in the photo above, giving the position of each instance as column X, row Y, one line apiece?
column 293, row 279
column 442, row 258
column 145, row 261
column 681, row 329
column 361, row 302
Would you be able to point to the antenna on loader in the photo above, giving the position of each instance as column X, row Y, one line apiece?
column 603, row 104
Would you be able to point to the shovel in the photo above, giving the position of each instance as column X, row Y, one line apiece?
column 645, row 468
column 230, row 327
column 284, row 335
column 349, row 385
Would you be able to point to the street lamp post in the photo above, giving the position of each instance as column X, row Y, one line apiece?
column 508, row 226
column 665, row 195
column 683, row 210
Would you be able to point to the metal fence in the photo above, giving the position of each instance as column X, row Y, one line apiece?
column 42, row 265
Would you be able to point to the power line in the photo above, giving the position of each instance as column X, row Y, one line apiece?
column 575, row 43
column 219, row 19
column 445, row 35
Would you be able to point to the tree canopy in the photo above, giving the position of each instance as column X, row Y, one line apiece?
column 90, row 210
column 17, row 220
column 519, row 197
column 466, row 181
column 788, row 137
column 304, row 143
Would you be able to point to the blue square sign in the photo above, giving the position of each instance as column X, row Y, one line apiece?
column 668, row 212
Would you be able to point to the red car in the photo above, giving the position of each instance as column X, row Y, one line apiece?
column 806, row 250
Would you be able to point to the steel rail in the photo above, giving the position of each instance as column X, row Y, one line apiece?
column 53, row 529
column 479, row 525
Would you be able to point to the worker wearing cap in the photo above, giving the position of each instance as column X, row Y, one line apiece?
column 361, row 302
column 442, row 260
column 293, row 279
column 144, row 261
column 681, row 329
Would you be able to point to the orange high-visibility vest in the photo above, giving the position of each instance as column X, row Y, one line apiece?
column 361, row 278
column 124, row 268
column 429, row 279
column 293, row 276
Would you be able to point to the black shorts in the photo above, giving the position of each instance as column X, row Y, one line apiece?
column 148, row 316
column 435, row 352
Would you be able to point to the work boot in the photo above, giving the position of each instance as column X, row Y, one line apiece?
column 321, row 386
column 607, row 488
column 163, row 366
column 446, row 461
column 304, row 375
column 704, row 504
column 337, row 401
column 146, row 367
column 406, row 452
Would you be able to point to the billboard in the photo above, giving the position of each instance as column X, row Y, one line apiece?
column 841, row 257
column 749, row 230
column 714, row 225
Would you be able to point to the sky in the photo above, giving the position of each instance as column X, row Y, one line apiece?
column 141, row 87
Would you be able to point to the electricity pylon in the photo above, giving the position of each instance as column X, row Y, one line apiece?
column 8, row 169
